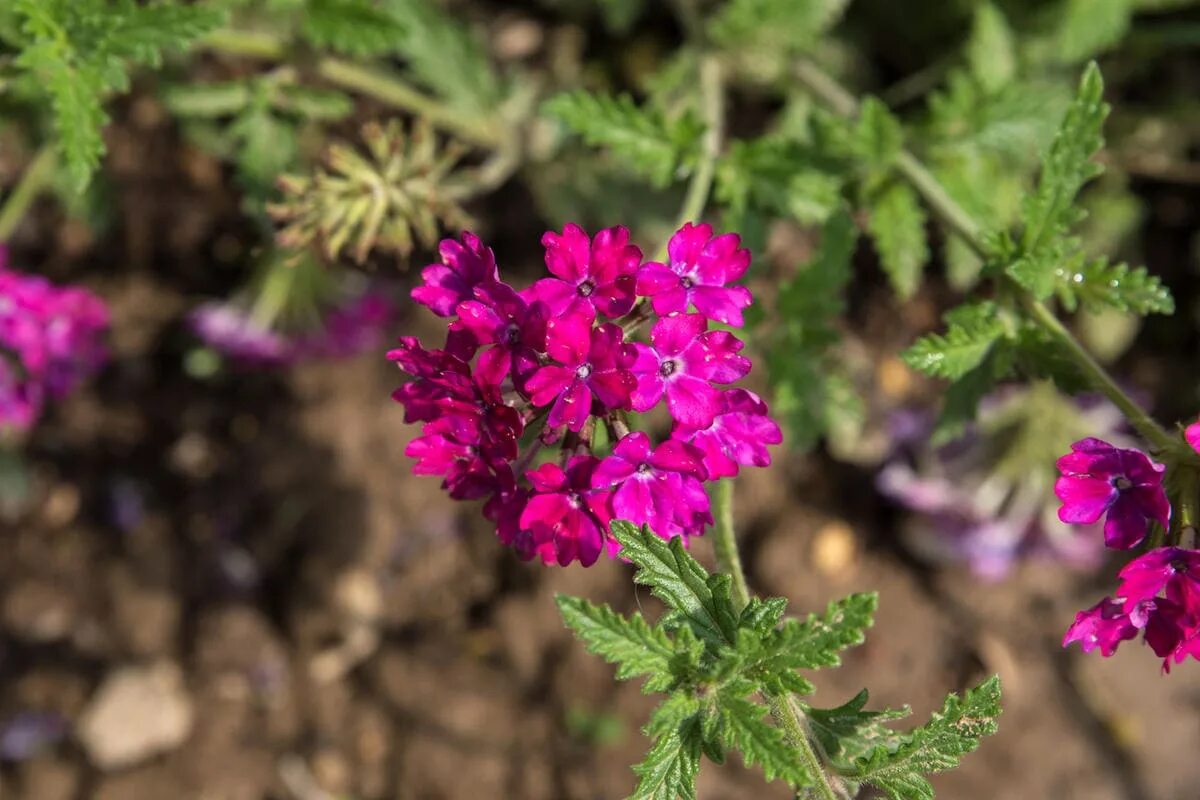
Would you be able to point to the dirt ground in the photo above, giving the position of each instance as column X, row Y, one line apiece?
column 234, row 589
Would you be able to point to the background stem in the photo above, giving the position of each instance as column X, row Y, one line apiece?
column 36, row 177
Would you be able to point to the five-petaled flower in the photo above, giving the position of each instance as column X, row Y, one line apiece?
column 1124, row 484
column 698, row 269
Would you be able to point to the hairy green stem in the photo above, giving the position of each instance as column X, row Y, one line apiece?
column 789, row 718
column 963, row 225
column 374, row 82
column 36, row 177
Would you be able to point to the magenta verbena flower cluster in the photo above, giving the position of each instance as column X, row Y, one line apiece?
column 1158, row 596
column 352, row 325
column 523, row 371
column 51, row 339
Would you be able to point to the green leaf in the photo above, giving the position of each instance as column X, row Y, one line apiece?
column 1090, row 27
column 442, row 54
column 1099, row 285
column 642, row 138
column 991, row 51
column 899, row 770
column 879, row 135
column 960, row 401
column 267, row 146
column 973, row 330
column 848, row 732
column 1050, row 211
column 353, row 27
column 312, row 103
column 631, row 643
column 775, row 25
column 679, row 581
column 743, row 727
column 142, row 32
column 816, row 642
column 669, row 770
column 897, row 225
column 779, row 176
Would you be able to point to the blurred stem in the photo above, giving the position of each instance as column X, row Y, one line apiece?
column 787, row 716
column 959, row 222
column 725, row 542
column 374, row 82
column 37, row 176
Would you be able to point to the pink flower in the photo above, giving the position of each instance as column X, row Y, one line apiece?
column 1099, row 479
column 51, row 340
column 516, row 329
column 661, row 487
column 683, row 362
column 464, row 266
column 591, row 275
column 450, row 446
column 568, row 511
column 593, row 365
column 739, row 434
column 1104, row 625
column 1192, row 434
column 699, row 267
column 1171, row 570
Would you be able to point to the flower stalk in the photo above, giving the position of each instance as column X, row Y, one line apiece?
column 37, row 176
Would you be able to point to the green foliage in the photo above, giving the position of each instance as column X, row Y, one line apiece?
column 778, row 176
column 1090, row 27
column 898, row 770
column 644, row 140
column 991, row 50
column 879, row 136
column 783, row 25
column 442, row 54
column 897, row 226
column 354, row 27
column 811, row 390
column 1099, row 285
column 80, row 51
column 717, row 665
column 972, row 331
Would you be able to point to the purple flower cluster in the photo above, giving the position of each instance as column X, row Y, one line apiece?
column 525, row 370
column 50, row 341
column 353, row 326
column 1159, row 591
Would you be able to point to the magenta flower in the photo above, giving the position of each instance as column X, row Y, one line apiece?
column 593, row 364
column 682, row 362
column 1103, row 626
column 592, row 276
column 661, row 487
column 1192, row 435
column 1099, row 479
column 739, row 435
column 515, row 328
column 568, row 511
column 1171, row 570
column 450, row 446
column 51, row 340
column 698, row 269
column 464, row 266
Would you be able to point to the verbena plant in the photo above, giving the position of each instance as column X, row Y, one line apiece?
column 534, row 401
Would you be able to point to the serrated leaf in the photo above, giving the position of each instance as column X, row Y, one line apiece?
column 641, row 138
column 991, row 51
column 899, row 771
column 142, row 32
column 1099, row 285
column 973, row 331
column 629, row 642
column 878, row 135
column 353, row 27
column 267, row 146
column 847, row 732
column 743, row 727
column 897, row 225
column 669, row 770
column 817, row 641
column 1090, row 27
column 679, row 581
column 1049, row 212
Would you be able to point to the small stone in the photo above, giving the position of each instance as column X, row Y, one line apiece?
column 137, row 713
column 834, row 549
